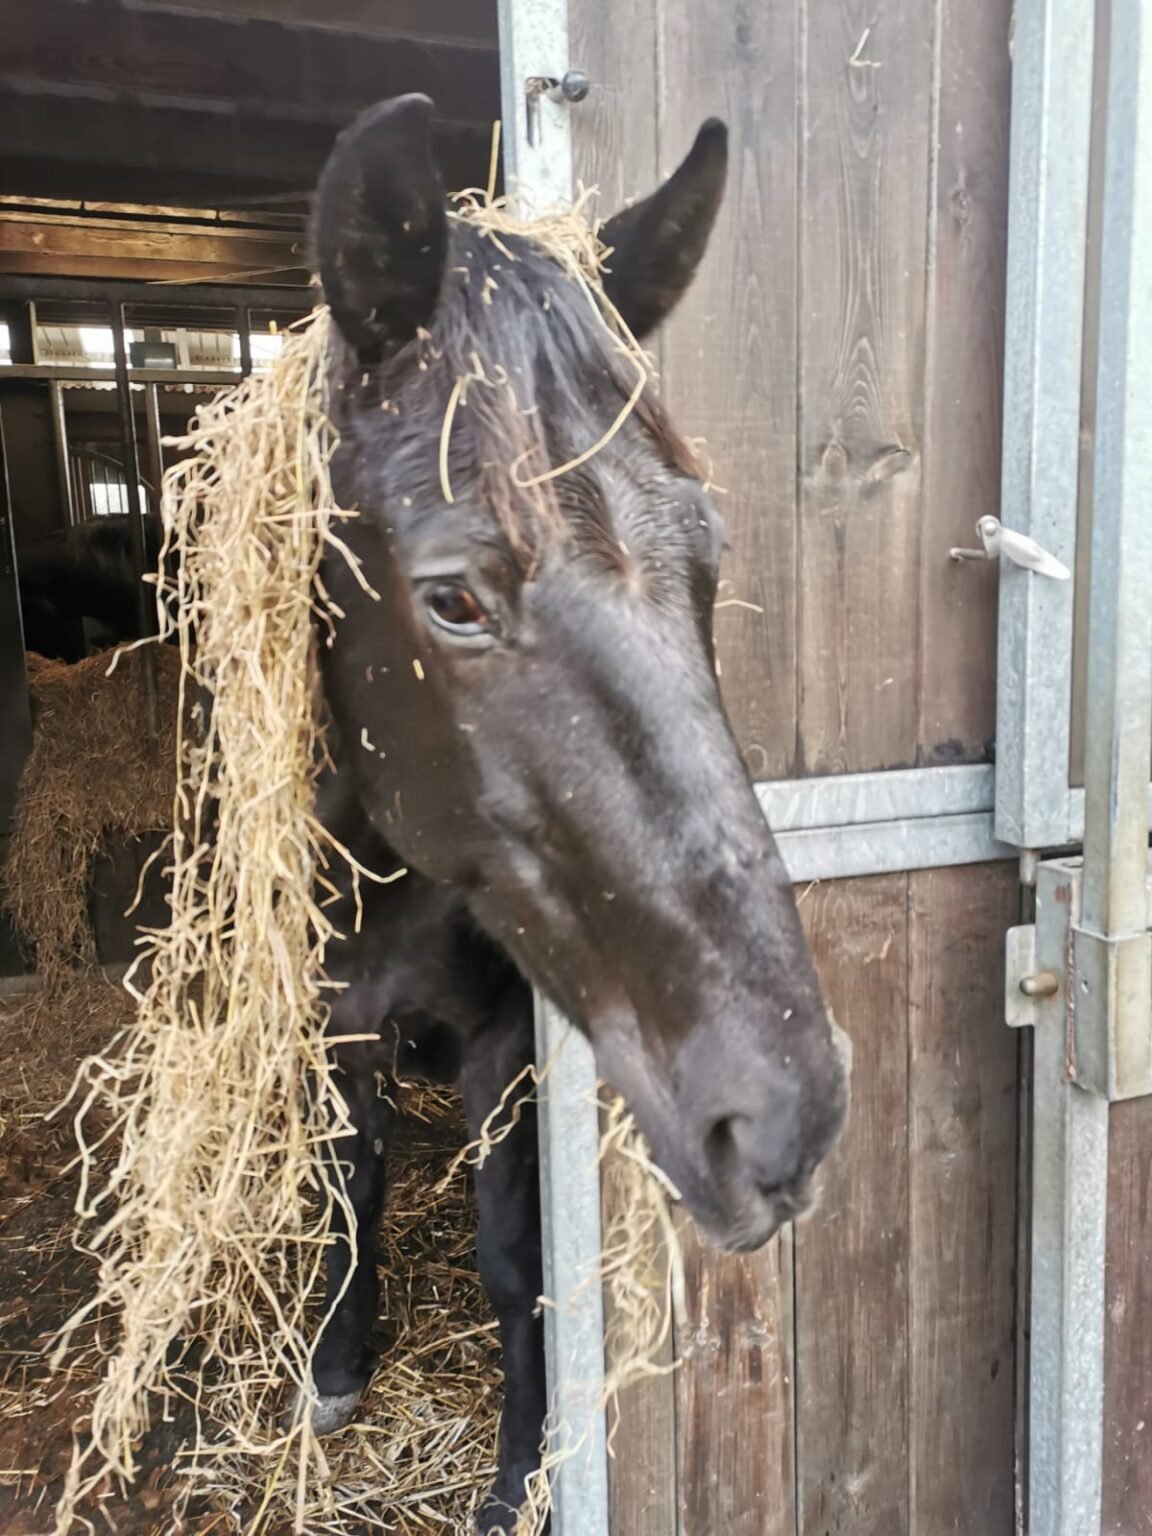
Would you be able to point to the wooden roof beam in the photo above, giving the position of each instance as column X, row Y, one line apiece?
column 466, row 22
column 118, row 151
column 256, row 65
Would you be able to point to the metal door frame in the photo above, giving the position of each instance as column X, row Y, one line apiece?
column 1087, row 964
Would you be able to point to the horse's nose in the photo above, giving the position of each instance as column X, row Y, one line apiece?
column 757, row 1148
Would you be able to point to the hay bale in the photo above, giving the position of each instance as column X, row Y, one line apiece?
column 91, row 773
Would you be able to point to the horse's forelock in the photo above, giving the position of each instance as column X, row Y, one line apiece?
column 532, row 375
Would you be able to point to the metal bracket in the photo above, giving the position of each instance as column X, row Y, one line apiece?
column 1103, row 982
column 1108, row 1019
column 1025, row 985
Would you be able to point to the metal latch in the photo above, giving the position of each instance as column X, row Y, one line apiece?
column 572, row 86
column 1024, row 986
column 996, row 540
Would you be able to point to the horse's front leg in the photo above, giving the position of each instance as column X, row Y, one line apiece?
column 342, row 1362
column 509, row 1247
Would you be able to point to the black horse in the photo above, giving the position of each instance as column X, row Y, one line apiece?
column 528, row 719
column 78, row 587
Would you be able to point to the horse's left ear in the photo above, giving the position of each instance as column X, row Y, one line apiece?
column 379, row 228
column 657, row 245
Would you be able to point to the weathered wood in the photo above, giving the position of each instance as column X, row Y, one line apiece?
column 260, row 65
column 92, row 247
column 730, row 353
column 852, row 1257
column 965, row 346
column 614, row 130
column 728, row 362
column 736, row 1411
column 1128, row 1350
column 864, row 127
column 122, row 151
column 642, row 1468
column 614, row 150
column 442, row 21
column 962, row 1202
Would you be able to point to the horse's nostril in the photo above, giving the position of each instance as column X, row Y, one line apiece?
column 759, row 1152
column 720, row 1143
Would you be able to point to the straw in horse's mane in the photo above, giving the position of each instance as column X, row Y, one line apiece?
column 220, row 1095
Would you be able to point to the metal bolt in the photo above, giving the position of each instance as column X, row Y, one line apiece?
column 1043, row 984
column 572, row 86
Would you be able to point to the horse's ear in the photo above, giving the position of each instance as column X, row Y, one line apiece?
column 658, row 244
column 379, row 229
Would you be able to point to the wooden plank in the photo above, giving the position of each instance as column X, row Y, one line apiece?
column 962, row 1203
column 1128, row 1348
column 865, row 125
column 728, row 367
column 256, row 64
column 80, row 247
column 730, row 354
column 132, row 269
column 642, row 1465
column 736, row 1412
column 614, row 150
column 968, row 252
column 443, row 21
column 852, row 1257
column 614, row 129
column 121, row 151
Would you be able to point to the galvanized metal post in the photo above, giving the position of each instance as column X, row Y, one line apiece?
column 15, row 712
column 60, row 448
column 1051, row 138
column 146, row 608
column 538, row 169
column 1112, row 945
column 1069, row 1182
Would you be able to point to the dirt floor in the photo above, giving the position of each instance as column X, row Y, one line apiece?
column 427, row 1273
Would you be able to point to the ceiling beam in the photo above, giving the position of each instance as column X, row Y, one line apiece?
column 83, row 247
column 450, row 21
column 258, row 65
column 124, row 151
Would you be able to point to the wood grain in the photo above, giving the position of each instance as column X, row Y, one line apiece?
column 1128, row 1349
column 614, row 151
column 865, row 125
column 82, row 247
column 852, row 1256
column 736, row 1410
column 962, row 1203
column 730, row 351
column 966, row 277
column 642, row 1469
column 614, row 130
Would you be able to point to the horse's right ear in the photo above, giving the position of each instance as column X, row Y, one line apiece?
column 379, row 228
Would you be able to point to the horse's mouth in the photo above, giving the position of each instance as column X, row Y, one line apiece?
column 761, row 1218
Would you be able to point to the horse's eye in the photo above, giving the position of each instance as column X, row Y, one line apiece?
column 456, row 609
